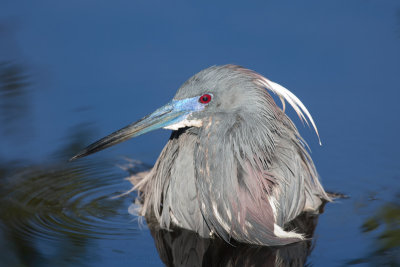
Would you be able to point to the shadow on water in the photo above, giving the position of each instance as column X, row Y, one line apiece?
column 15, row 88
column 77, row 137
column 15, row 103
column 185, row 248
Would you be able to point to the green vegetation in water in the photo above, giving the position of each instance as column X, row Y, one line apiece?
column 385, row 224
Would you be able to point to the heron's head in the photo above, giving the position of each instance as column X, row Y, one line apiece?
column 219, row 90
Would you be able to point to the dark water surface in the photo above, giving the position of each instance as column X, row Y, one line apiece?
column 71, row 72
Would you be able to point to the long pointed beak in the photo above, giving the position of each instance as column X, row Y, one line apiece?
column 172, row 113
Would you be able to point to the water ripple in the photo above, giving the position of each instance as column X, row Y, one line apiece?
column 71, row 201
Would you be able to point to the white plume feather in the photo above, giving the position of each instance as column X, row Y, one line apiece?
column 285, row 94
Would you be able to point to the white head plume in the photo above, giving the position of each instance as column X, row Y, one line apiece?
column 285, row 94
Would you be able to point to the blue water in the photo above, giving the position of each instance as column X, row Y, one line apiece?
column 74, row 71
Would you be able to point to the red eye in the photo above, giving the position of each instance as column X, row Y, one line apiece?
column 205, row 98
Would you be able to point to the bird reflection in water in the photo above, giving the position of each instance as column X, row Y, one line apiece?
column 181, row 247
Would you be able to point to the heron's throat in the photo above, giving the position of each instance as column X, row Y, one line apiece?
column 184, row 123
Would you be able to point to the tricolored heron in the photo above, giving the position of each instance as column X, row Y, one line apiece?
column 235, row 165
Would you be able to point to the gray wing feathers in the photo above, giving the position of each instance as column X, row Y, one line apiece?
column 238, row 205
column 298, row 188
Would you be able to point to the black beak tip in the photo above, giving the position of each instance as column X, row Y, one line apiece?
column 77, row 156
column 73, row 158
